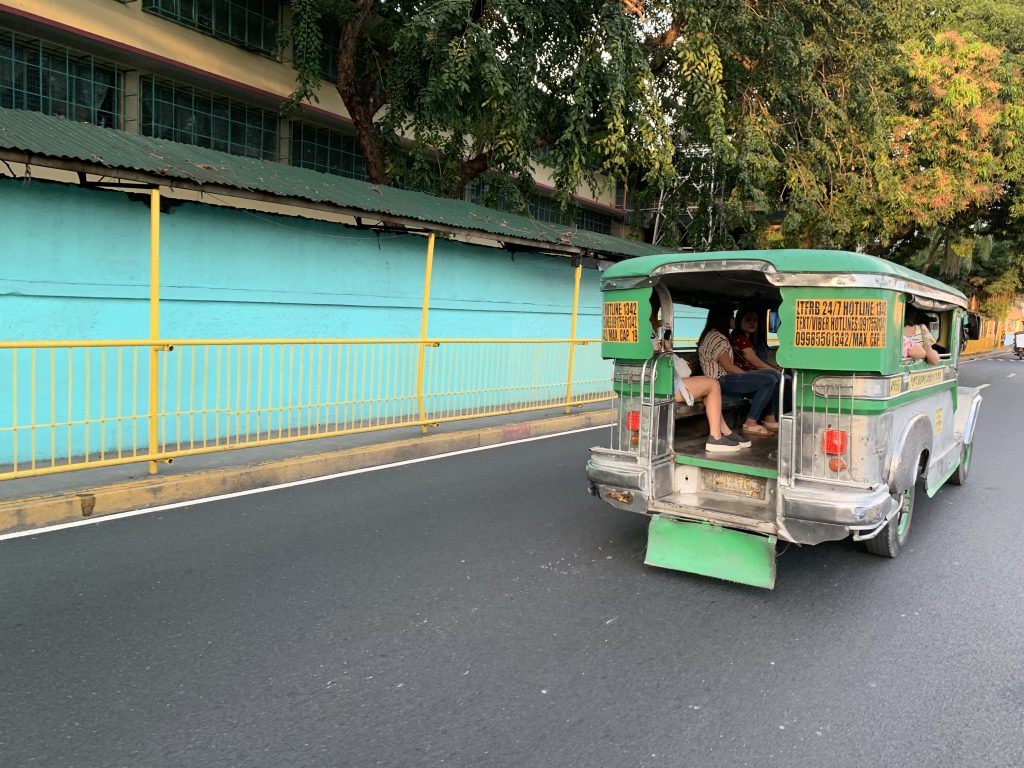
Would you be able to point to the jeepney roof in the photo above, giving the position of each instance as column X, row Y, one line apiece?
column 784, row 262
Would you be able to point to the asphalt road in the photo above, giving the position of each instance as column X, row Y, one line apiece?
column 483, row 610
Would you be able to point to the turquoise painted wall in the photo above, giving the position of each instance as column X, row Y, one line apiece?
column 74, row 265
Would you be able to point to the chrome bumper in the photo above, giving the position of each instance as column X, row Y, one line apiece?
column 618, row 469
column 852, row 508
column 624, row 480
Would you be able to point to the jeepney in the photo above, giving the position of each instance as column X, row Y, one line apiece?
column 862, row 431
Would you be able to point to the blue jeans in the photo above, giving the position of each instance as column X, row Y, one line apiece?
column 762, row 386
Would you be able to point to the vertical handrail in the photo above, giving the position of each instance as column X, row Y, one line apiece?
column 154, row 323
column 572, row 333
column 797, row 429
column 423, row 334
column 648, row 416
column 783, row 416
column 14, row 407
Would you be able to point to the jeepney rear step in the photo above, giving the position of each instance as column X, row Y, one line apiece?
column 762, row 454
column 711, row 550
column 731, row 510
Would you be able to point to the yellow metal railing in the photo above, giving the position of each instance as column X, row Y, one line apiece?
column 70, row 405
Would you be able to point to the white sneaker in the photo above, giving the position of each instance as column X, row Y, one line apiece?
column 720, row 445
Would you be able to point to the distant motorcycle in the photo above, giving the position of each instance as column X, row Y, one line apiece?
column 1018, row 345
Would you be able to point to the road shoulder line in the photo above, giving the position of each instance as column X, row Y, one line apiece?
column 29, row 515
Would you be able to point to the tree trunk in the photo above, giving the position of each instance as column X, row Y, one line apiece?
column 359, row 95
column 470, row 169
column 369, row 145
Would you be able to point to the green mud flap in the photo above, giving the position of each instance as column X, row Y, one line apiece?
column 711, row 550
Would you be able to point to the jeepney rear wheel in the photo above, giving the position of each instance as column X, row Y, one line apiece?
column 890, row 541
column 960, row 476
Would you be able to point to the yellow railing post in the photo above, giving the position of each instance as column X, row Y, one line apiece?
column 154, row 324
column 572, row 332
column 423, row 333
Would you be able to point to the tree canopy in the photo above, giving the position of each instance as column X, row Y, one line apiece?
column 443, row 92
column 889, row 126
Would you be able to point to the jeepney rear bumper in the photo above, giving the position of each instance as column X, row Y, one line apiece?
column 853, row 508
column 626, row 482
column 817, row 512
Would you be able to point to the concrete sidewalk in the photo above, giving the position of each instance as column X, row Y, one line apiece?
column 37, row 502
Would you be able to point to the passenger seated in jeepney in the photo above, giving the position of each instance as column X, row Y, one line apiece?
column 750, row 349
column 761, row 386
column 918, row 343
column 749, row 345
column 687, row 388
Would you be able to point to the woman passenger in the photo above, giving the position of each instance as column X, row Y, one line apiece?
column 716, row 360
column 749, row 347
column 918, row 343
column 721, row 439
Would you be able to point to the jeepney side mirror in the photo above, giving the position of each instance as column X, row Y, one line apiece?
column 774, row 321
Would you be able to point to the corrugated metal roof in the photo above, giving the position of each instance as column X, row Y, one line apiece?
column 58, row 142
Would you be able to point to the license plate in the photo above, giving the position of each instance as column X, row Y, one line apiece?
column 733, row 484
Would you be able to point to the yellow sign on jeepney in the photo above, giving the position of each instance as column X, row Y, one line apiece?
column 924, row 379
column 620, row 321
column 840, row 323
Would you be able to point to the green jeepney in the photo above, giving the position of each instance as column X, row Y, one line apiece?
column 862, row 429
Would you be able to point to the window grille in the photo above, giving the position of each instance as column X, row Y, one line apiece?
column 329, row 50
column 178, row 112
column 545, row 209
column 252, row 24
column 57, row 81
column 594, row 221
column 541, row 208
column 327, row 151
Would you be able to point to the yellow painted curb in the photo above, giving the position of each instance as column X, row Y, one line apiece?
column 41, row 511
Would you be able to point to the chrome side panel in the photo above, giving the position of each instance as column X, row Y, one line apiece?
column 869, row 437
column 883, row 460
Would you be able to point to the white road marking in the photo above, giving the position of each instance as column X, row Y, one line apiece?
column 292, row 484
column 1010, row 375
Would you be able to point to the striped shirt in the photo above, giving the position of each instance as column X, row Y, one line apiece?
column 710, row 350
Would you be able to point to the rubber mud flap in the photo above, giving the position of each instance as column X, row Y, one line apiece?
column 711, row 550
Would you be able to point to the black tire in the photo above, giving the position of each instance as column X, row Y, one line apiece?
column 960, row 476
column 891, row 539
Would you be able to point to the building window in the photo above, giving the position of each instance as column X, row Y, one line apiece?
column 327, row 151
column 252, row 24
column 541, row 208
column 480, row 192
column 329, row 50
column 182, row 113
column 594, row 221
column 57, row 81
column 545, row 209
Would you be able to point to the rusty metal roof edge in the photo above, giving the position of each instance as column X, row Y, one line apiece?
column 65, row 145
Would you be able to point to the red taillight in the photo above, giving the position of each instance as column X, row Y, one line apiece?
column 836, row 464
column 833, row 442
column 633, row 421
